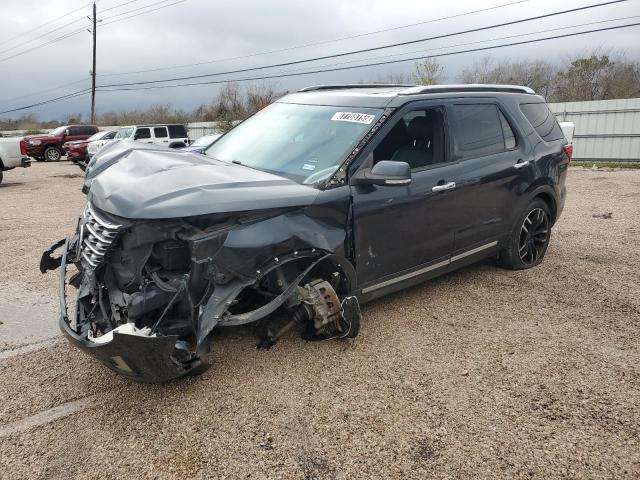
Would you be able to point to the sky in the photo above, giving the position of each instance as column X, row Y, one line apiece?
column 137, row 35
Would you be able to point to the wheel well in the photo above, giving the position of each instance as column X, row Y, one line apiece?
column 551, row 203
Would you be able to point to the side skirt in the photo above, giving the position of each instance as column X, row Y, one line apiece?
column 434, row 269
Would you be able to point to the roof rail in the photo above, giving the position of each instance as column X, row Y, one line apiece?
column 353, row 85
column 472, row 87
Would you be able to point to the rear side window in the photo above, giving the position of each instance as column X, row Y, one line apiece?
column 542, row 120
column 89, row 130
column 478, row 130
column 160, row 132
column 177, row 131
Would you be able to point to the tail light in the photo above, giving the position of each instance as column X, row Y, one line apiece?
column 568, row 150
column 23, row 147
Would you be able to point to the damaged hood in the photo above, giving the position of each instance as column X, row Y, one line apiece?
column 138, row 181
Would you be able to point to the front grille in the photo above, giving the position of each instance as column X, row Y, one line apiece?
column 97, row 235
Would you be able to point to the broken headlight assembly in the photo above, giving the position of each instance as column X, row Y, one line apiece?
column 150, row 292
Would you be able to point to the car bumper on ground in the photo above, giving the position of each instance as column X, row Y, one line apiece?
column 25, row 162
column 148, row 359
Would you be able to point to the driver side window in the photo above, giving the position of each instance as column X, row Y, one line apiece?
column 418, row 139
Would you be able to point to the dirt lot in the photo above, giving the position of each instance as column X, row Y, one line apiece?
column 484, row 373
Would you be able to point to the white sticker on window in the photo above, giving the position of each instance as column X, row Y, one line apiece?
column 353, row 117
column 307, row 166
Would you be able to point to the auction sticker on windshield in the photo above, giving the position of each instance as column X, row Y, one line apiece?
column 353, row 117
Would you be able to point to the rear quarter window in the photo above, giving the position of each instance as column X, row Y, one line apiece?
column 542, row 120
column 177, row 131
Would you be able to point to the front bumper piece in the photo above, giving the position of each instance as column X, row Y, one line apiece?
column 150, row 359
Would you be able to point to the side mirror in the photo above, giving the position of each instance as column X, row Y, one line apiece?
column 66, row 132
column 136, row 136
column 385, row 172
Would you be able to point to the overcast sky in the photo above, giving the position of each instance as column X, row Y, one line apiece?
column 195, row 31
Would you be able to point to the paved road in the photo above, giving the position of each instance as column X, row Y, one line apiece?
column 484, row 373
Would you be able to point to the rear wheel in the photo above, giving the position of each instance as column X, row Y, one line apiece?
column 1, row 175
column 530, row 238
column 52, row 154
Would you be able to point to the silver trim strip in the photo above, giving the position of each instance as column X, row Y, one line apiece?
column 406, row 276
column 473, row 251
column 435, row 266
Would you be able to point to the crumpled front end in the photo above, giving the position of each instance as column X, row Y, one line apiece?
column 150, row 292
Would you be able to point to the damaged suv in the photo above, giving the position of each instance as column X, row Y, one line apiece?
column 330, row 197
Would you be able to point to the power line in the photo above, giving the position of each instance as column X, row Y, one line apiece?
column 76, row 32
column 413, row 59
column 84, row 92
column 371, row 49
column 45, row 102
column 42, row 35
column 119, row 5
column 495, row 39
column 136, row 9
column 314, row 44
column 59, row 87
column 46, row 23
column 143, row 13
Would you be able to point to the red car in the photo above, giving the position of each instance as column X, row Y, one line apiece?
column 49, row 147
column 76, row 150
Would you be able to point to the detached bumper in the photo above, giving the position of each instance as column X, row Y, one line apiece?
column 141, row 358
column 25, row 162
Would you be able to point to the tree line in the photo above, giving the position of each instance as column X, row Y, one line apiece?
column 594, row 76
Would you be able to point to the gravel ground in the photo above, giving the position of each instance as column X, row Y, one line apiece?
column 483, row 373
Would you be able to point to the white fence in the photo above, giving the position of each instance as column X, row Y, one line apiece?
column 605, row 129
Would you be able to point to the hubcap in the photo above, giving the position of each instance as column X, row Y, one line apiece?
column 534, row 235
column 53, row 155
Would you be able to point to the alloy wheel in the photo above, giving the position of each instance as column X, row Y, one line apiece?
column 534, row 235
column 53, row 155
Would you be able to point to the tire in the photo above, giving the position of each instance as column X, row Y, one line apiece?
column 529, row 239
column 52, row 154
column 1, row 175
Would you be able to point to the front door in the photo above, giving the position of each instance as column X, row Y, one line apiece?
column 401, row 232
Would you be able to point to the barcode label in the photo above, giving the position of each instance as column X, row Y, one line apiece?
column 353, row 117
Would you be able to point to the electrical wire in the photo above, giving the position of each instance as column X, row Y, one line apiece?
column 314, row 44
column 45, row 102
column 143, row 13
column 4, row 42
column 389, row 62
column 370, row 49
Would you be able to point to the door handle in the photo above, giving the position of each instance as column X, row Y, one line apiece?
column 521, row 164
column 442, row 188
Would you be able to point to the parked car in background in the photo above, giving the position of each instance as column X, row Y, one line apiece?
column 201, row 144
column 49, row 147
column 13, row 153
column 328, row 198
column 169, row 135
column 77, row 150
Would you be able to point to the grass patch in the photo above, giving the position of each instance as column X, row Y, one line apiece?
column 591, row 163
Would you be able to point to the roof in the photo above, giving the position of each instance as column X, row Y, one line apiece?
column 391, row 95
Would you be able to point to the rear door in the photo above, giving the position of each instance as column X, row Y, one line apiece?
column 495, row 163
column 160, row 135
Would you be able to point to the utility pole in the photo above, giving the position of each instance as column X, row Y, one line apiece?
column 93, row 70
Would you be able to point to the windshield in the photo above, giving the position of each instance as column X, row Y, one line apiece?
column 58, row 131
column 96, row 136
column 124, row 132
column 305, row 143
column 204, row 141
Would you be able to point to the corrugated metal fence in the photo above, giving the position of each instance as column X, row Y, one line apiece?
column 605, row 129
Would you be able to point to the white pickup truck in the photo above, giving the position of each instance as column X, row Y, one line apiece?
column 13, row 153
